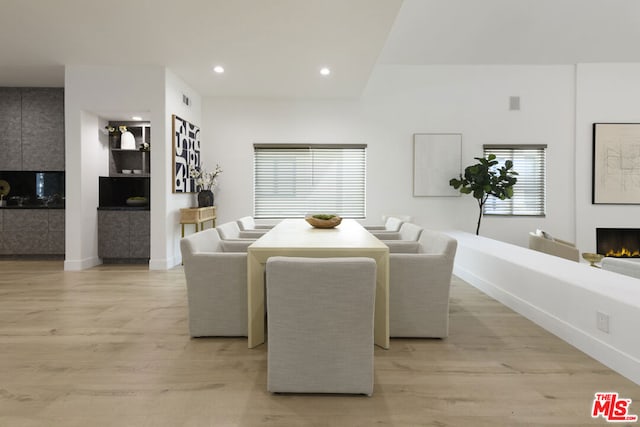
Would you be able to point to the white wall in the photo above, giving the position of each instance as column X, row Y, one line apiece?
column 400, row 101
column 605, row 93
column 165, row 235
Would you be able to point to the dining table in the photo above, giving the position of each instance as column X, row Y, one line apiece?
column 294, row 237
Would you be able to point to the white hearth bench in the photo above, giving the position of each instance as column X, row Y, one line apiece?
column 559, row 295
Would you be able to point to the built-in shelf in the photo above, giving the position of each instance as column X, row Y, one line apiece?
column 123, row 159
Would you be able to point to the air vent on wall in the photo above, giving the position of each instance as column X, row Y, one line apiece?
column 514, row 103
column 185, row 100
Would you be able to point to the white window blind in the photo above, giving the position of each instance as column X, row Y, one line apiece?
column 529, row 193
column 293, row 180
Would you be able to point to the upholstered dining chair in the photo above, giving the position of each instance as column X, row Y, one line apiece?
column 408, row 232
column 392, row 224
column 419, row 286
column 216, row 284
column 247, row 223
column 231, row 231
column 320, row 324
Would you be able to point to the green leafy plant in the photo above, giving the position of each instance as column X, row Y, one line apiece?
column 485, row 179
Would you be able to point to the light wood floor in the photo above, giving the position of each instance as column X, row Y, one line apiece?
column 109, row 347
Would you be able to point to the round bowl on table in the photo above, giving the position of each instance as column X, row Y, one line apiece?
column 334, row 221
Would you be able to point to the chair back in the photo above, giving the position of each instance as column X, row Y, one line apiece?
column 434, row 242
column 204, row 241
column 229, row 230
column 410, row 231
column 320, row 324
column 393, row 224
column 246, row 223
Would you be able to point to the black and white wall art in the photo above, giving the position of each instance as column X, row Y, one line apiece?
column 186, row 154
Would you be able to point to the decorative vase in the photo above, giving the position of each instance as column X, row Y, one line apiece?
column 205, row 198
column 127, row 141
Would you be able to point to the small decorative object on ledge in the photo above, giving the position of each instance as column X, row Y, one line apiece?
column 137, row 201
column 323, row 220
column 592, row 258
column 127, row 140
column 4, row 191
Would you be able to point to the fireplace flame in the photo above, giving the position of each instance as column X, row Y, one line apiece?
column 623, row 253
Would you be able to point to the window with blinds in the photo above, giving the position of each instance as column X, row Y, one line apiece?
column 293, row 180
column 529, row 193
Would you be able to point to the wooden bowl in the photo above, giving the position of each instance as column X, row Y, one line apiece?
column 324, row 223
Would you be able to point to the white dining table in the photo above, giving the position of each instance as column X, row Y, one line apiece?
column 296, row 238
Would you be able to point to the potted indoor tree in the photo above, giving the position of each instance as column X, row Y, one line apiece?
column 485, row 179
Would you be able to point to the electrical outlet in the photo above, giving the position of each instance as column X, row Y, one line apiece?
column 602, row 321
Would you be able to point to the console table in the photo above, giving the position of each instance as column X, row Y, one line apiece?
column 197, row 216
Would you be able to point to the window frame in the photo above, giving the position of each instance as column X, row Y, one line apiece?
column 541, row 166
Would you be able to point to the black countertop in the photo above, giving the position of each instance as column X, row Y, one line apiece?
column 123, row 208
column 33, row 207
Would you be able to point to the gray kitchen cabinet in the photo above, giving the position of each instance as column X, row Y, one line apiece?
column 123, row 234
column 32, row 232
column 42, row 129
column 56, row 231
column 10, row 129
column 139, row 234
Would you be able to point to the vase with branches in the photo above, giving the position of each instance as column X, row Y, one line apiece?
column 205, row 182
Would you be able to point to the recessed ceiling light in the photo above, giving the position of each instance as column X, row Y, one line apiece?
column 325, row 71
column 136, row 118
column 218, row 69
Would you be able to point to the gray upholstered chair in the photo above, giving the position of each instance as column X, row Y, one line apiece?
column 408, row 232
column 542, row 242
column 392, row 224
column 247, row 223
column 320, row 324
column 419, row 285
column 216, row 284
column 231, row 231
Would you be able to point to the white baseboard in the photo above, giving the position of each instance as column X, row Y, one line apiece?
column 163, row 264
column 83, row 264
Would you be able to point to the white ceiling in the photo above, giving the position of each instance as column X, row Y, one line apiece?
column 274, row 48
column 514, row 32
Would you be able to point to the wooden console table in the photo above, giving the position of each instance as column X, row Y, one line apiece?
column 197, row 216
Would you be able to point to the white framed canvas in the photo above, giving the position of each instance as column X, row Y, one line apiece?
column 616, row 163
column 436, row 159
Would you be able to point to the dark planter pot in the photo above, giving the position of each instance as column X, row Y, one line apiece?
column 205, row 198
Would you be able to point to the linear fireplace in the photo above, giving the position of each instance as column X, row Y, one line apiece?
column 618, row 242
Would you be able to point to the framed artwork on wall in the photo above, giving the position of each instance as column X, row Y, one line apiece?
column 616, row 163
column 186, row 154
column 436, row 159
